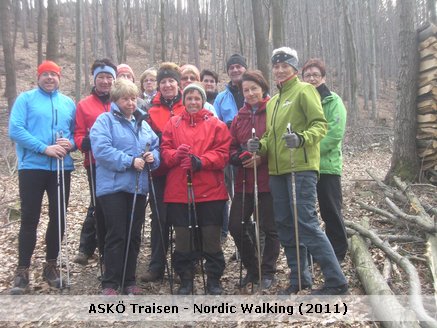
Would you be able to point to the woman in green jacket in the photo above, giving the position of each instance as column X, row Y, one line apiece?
column 331, row 159
column 298, row 104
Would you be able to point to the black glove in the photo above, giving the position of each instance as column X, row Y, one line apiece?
column 86, row 144
column 238, row 158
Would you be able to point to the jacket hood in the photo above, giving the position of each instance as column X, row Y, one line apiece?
column 201, row 115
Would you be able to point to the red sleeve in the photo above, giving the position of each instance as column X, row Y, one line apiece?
column 218, row 156
column 80, row 127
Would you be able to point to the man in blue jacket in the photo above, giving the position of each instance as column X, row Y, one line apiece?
column 226, row 104
column 41, row 125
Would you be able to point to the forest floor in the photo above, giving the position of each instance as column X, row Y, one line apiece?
column 367, row 146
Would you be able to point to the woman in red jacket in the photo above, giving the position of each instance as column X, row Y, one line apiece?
column 252, row 115
column 195, row 146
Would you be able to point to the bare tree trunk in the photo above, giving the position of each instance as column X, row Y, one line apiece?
column 261, row 42
column 95, row 28
column 163, row 43
column 40, row 30
column 372, row 67
column 8, row 53
column 351, row 52
column 237, row 24
column 78, row 76
column 404, row 161
column 120, row 31
column 107, row 30
column 85, row 62
column 278, row 23
column 52, row 31
column 23, row 19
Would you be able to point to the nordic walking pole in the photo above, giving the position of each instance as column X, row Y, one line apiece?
column 62, row 207
column 255, row 196
column 152, row 188
column 296, row 221
column 242, row 226
column 197, row 233
column 190, row 222
column 58, row 185
column 93, row 203
column 129, row 234
column 65, row 222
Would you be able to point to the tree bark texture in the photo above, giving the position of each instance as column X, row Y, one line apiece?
column 8, row 53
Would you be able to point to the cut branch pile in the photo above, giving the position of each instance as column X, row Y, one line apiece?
column 427, row 102
column 421, row 228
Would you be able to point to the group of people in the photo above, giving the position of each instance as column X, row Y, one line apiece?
column 209, row 161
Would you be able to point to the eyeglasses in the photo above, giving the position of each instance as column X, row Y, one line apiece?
column 191, row 78
column 149, row 80
column 314, row 75
column 49, row 74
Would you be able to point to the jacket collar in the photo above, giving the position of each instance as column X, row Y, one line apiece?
column 247, row 109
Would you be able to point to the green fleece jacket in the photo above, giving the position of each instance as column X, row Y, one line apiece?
column 297, row 103
column 331, row 158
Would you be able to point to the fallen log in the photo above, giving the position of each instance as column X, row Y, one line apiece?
column 415, row 289
column 392, row 314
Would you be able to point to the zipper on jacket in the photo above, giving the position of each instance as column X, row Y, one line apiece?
column 54, row 123
column 275, row 110
column 305, row 155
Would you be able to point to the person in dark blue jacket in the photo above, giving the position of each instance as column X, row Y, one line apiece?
column 41, row 124
column 123, row 145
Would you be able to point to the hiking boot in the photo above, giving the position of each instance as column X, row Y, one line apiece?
column 133, row 290
column 213, row 286
column 186, row 287
column 51, row 274
column 21, row 281
column 340, row 290
column 248, row 279
column 292, row 289
column 150, row 276
column 109, row 292
column 267, row 282
column 81, row 258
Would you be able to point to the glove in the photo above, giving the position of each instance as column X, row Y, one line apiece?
column 292, row 140
column 192, row 163
column 182, row 152
column 244, row 156
column 238, row 158
column 253, row 145
column 86, row 144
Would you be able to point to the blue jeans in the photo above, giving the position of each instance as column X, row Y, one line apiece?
column 311, row 237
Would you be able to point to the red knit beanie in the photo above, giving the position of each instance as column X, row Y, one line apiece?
column 49, row 66
column 124, row 68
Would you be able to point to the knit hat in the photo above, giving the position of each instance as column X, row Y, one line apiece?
column 285, row 55
column 124, row 68
column 168, row 69
column 103, row 69
column 49, row 66
column 194, row 86
column 236, row 59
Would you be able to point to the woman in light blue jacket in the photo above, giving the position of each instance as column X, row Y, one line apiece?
column 123, row 145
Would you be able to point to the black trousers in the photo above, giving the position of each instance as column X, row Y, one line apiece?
column 159, row 242
column 93, row 233
column 246, row 246
column 330, row 202
column 117, row 210
column 196, row 241
column 32, row 185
